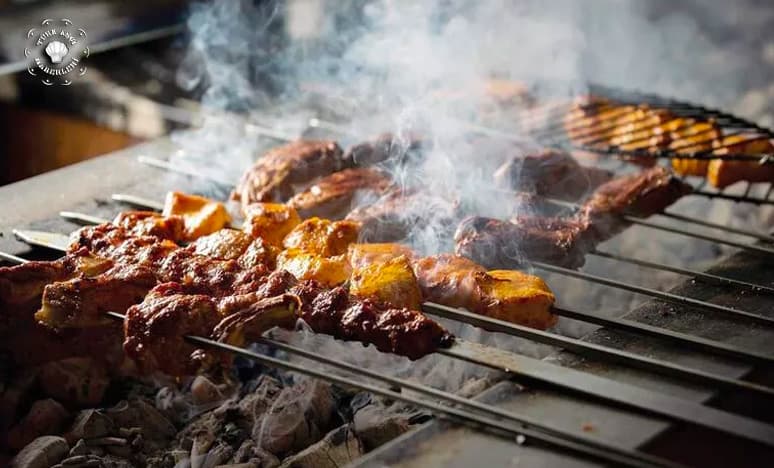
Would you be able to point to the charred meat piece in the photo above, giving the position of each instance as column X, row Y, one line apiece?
column 551, row 173
column 225, row 244
column 507, row 295
column 150, row 223
column 21, row 284
column 496, row 243
column 272, row 177
column 82, row 302
column 154, row 330
column 334, row 196
column 323, row 236
column 642, row 194
column 385, row 147
column 392, row 330
column 243, row 325
column 392, row 217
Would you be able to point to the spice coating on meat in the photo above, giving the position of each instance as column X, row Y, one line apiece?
column 393, row 330
column 333, row 196
column 323, row 236
column 271, row 178
column 270, row 221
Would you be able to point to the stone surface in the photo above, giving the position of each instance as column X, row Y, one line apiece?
column 45, row 417
column 42, row 452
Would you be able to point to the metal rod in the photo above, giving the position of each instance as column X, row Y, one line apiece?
column 82, row 218
column 598, row 351
column 10, row 258
column 600, row 388
column 731, row 229
column 664, row 296
column 718, row 240
column 734, row 198
column 137, row 201
column 723, row 280
column 162, row 164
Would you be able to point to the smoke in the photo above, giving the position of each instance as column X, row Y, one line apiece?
column 399, row 66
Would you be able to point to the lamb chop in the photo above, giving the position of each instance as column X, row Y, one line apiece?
column 333, row 196
column 551, row 173
column 271, row 178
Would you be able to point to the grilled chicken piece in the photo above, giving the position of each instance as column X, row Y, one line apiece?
column 271, row 178
column 22, row 284
column 551, row 173
column 322, row 236
column 362, row 255
column 270, row 221
column 225, row 244
column 642, row 194
column 506, row 295
column 697, row 137
column 305, row 265
column 82, row 302
column 392, row 330
column 722, row 172
column 383, row 148
column 150, row 223
column 496, row 243
column 333, row 196
column 201, row 215
column 390, row 282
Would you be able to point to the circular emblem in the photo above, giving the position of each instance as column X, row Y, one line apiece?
column 56, row 52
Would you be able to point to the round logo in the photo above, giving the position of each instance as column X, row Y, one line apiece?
column 56, row 52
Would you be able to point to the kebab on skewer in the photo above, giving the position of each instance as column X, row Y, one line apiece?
column 642, row 127
column 565, row 241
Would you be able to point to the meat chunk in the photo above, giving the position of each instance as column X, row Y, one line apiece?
column 390, row 282
column 393, row 330
column 334, row 196
column 551, row 173
column 383, row 148
column 270, row 221
column 305, row 265
column 509, row 244
column 150, row 223
column 723, row 172
column 642, row 194
column 507, row 295
column 201, row 216
column 362, row 255
column 323, row 236
column 392, row 217
column 272, row 177
column 82, row 302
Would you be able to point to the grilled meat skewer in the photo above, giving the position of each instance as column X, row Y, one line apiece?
column 332, row 196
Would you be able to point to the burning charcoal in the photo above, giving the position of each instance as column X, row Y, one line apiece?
column 42, row 452
column 216, row 456
column 375, row 426
column 298, row 418
column 81, row 448
column 45, row 417
column 339, row 447
column 203, row 391
column 90, row 424
column 250, row 453
column 78, row 381
column 138, row 413
column 14, row 396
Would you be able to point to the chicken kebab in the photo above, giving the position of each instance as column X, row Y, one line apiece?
column 598, row 122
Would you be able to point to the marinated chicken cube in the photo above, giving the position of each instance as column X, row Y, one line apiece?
column 270, row 221
column 201, row 215
column 391, row 282
column 304, row 265
column 323, row 236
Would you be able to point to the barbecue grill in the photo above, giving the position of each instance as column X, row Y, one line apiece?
column 707, row 341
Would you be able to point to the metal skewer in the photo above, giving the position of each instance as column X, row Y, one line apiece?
column 51, row 240
column 619, row 324
column 600, row 388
